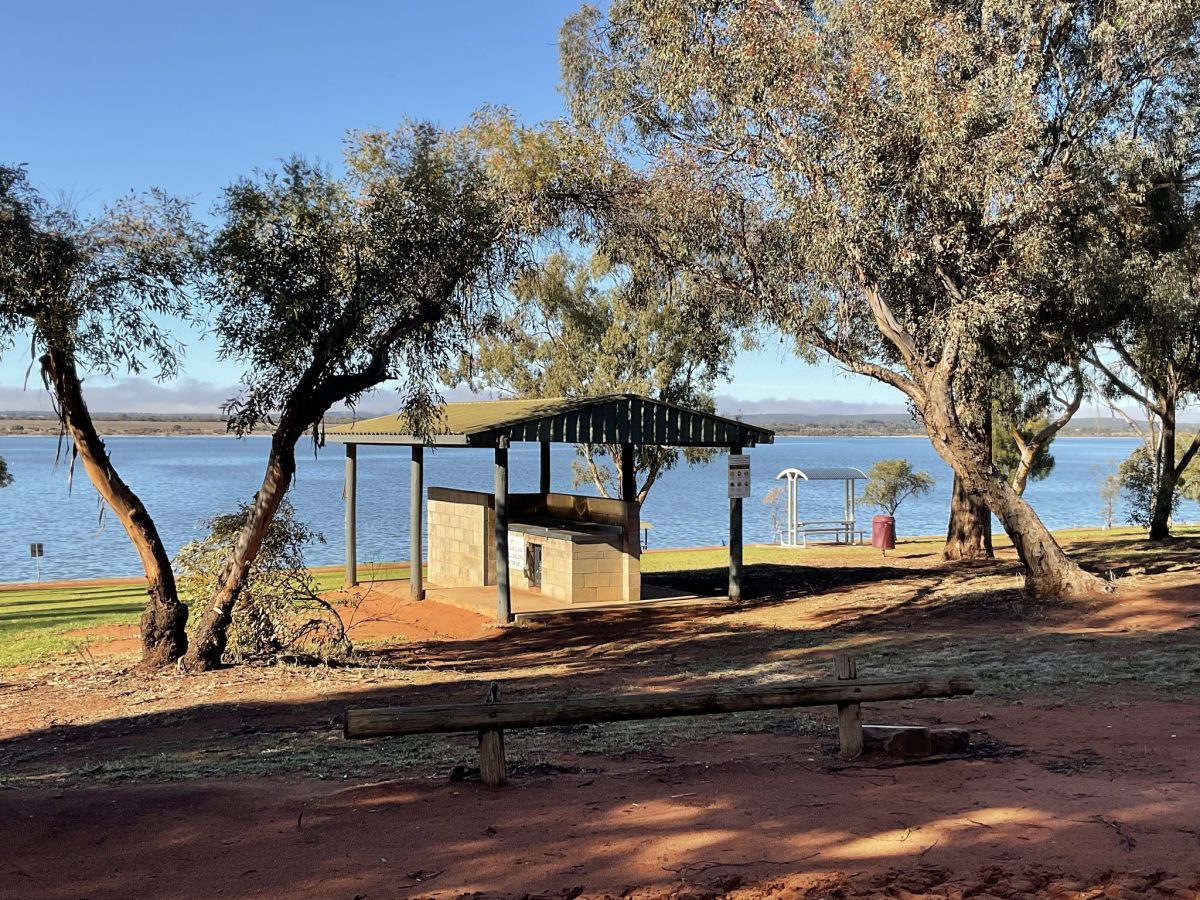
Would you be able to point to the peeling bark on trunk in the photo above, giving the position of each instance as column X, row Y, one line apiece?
column 164, row 620
column 1024, row 467
column 211, row 634
column 969, row 534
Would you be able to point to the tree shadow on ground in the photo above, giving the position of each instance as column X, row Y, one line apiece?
column 775, row 582
column 1124, row 556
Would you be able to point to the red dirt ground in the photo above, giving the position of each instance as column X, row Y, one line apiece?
column 1092, row 795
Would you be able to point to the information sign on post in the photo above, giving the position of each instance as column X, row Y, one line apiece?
column 37, row 552
column 739, row 476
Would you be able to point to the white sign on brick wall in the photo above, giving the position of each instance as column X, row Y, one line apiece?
column 516, row 550
column 739, row 475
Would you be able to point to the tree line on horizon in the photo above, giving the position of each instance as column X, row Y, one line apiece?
column 990, row 207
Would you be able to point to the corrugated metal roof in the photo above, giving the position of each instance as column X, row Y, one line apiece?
column 610, row 419
column 824, row 474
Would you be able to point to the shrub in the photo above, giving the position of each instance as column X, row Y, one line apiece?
column 1110, row 490
column 1139, row 480
column 278, row 610
column 892, row 481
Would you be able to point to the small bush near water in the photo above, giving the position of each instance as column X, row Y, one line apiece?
column 279, row 610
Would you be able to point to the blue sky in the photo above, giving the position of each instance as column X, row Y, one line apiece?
column 105, row 98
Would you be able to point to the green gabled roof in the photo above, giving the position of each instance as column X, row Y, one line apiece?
column 611, row 419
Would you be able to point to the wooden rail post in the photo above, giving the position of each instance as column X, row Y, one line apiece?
column 492, row 769
column 850, row 729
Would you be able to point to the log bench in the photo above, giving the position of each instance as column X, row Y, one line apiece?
column 491, row 717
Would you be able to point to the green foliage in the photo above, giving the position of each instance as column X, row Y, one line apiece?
column 327, row 286
column 1189, row 487
column 1140, row 478
column 5, row 476
column 892, row 481
column 1153, row 355
column 580, row 329
column 100, row 289
column 922, row 190
column 1006, row 454
column 279, row 608
column 897, row 183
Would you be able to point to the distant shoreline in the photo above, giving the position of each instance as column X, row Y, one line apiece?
column 171, row 426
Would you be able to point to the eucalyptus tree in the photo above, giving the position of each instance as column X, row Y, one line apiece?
column 97, row 295
column 892, row 481
column 1027, row 419
column 913, row 187
column 327, row 286
column 580, row 328
column 1152, row 356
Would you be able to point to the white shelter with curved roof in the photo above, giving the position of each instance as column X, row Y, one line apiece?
column 797, row 529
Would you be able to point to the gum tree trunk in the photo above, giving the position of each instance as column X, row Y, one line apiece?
column 211, row 633
column 1049, row 572
column 164, row 620
column 1168, row 479
column 311, row 399
column 1024, row 467
column 969, row 534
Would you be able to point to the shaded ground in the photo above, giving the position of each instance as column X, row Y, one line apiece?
column 1083, row 781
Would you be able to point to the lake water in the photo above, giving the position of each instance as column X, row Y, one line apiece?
column 184, row 480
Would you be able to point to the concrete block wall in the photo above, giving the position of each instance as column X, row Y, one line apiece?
column 461, row 528
column 458, row 537
column 586, row 509
column 598, row 575
column 582, row 573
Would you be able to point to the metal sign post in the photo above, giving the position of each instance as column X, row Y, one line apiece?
column 37, row 552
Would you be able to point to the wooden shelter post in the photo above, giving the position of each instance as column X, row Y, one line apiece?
column 503, row 593
column 735, row 543
column 628, row 473
column 350, row 493
column 633, row 520
column 544, row 482
column 416, row 528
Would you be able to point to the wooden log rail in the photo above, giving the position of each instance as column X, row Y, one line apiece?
column 490, row 718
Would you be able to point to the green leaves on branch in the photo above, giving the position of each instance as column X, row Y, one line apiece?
column 892, row 481
column 101, row 289
column 904, row 185
column 1140, row 482
column 279, row 609
column 327, row 286
column 577, row 329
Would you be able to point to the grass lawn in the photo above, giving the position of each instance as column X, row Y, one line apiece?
column 42, row 621
column 35, row 622
column 38, row 622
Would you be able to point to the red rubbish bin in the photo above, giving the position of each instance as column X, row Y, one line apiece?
column 883, row 533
